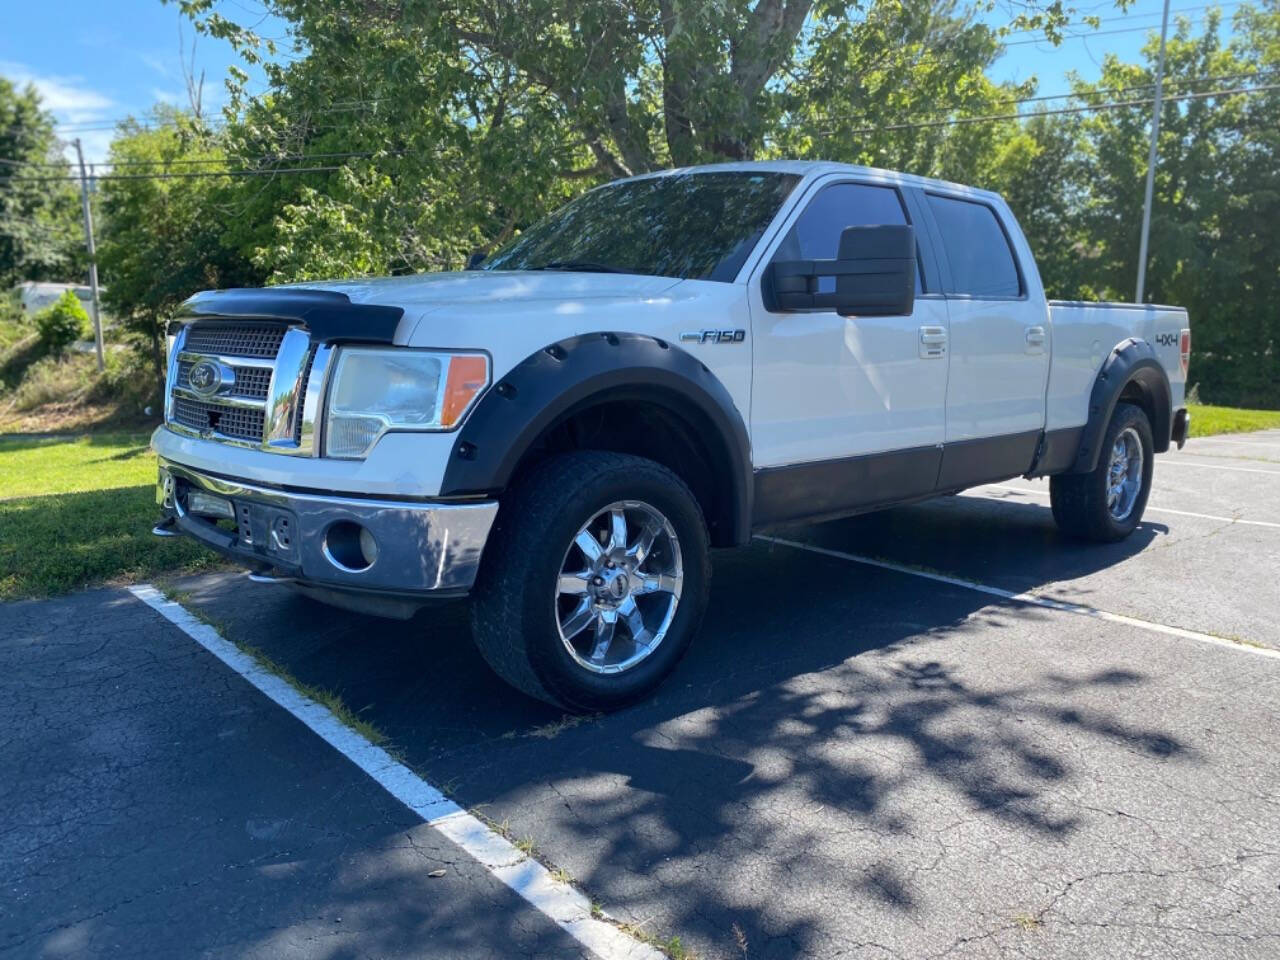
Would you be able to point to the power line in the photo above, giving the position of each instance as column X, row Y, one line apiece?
column 1132, row 16
column 956, row 121
column 215, row 160
column 176, row 176
column 348, row 105
column 993, row 118
column 1110, row 92
column 1090, row 35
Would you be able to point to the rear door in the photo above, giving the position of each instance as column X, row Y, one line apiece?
column 995, row 401
column 845, row 411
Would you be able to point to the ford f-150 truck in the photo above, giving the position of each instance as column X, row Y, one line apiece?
column 667, row 364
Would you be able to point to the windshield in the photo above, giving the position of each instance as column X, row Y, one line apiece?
column 696, row 226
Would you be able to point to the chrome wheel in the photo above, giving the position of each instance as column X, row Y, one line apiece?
column 619, row 587
column 1124, row 476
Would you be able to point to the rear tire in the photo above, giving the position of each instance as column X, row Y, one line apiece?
column 594, row 580
column 1106, row 504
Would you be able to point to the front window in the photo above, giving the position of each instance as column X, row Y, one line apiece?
column 695, row 226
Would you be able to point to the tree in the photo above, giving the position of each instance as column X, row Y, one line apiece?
column 163, row 239
column 470, row 120
column 40, row 232
column 1216, row 204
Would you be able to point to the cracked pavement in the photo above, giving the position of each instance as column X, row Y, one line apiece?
column 851, row 762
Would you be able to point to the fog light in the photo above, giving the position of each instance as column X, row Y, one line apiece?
column 368, row 547
column 350, row 547
column 206, row 505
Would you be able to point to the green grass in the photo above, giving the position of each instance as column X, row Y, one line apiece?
column 1206, row 420
column 76, row 511
column 36, row 466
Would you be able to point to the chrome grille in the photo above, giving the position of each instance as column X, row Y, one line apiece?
column 259, row 340
column 302, row 396
column 251, row 382
column 239, row 423
column 259, row 395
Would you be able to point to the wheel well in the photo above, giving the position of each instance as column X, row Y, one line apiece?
column 654, row 427
column 1138, row 392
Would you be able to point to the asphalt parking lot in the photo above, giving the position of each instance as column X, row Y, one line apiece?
column 855, row 760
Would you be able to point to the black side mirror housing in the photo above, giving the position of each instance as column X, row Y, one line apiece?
column 873, row 275
column 476, row 258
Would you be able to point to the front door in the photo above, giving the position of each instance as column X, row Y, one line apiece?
column 845, row 411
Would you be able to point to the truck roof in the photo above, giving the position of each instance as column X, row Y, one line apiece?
column 814, row 168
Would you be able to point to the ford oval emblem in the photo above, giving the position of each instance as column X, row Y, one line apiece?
column 208, row 378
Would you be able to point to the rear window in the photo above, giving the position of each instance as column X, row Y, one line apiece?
column 982, row 262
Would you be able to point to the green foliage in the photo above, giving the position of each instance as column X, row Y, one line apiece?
column 163, row 239
column 469, row 121
column 1216, row 206
column 450, row 127
column 67, row 378
column 62, row 322
column 1207, row 420
column 40, row 231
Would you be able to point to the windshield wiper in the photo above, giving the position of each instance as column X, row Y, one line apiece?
column 583, row 266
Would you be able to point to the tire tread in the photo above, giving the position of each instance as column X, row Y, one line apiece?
column 500, row 600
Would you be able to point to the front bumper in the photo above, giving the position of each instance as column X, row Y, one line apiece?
column 419, row 548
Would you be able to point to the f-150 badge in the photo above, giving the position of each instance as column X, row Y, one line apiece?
column 713, row 336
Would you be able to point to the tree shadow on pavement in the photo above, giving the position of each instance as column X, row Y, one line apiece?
column 796, row 777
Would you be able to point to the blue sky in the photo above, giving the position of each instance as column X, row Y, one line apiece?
column 96, row 61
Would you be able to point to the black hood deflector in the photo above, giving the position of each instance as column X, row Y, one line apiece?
column 330, row 316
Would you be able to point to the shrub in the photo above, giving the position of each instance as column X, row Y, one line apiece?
column 62, row 323
column 129, row 380
column 55, row 379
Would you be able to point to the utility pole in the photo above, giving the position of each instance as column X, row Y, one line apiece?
column 1151, row 160
column 93, row 256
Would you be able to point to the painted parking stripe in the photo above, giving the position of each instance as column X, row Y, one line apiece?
column 1174, row 461
column 1030, row 599
column 567, row 907
column 1266, row 441
column 1181, row 513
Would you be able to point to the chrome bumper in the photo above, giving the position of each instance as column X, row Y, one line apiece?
column 418, row 548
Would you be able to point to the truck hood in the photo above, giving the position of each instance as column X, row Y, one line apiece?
column 424, row 292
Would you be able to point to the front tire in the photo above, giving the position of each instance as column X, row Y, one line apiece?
column 594, row 580
column 1106, row 504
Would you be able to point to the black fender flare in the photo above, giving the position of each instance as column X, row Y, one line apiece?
column 569, row 376
column 1132, row 362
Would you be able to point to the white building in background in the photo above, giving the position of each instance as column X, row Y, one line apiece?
column 34, row 296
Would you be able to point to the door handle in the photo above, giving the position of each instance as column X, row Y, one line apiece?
column 933, row 342
column 1035, row 336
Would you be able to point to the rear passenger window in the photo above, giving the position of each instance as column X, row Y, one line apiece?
column 982, row 263
column 816, row 235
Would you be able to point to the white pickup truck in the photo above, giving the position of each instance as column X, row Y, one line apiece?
column 667, row 364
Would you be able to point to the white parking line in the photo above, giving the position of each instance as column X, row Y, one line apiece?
column 1181, row 513
column 567, row 907
column 1165, row 461
column 1032, row 599
column 1267, row 441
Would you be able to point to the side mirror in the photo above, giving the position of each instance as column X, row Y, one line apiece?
column 476, row 258
column 873, row 275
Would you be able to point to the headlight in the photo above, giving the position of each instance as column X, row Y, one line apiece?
column 376, row 390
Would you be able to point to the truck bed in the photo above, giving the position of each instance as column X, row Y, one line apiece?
column 1085, row 331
